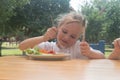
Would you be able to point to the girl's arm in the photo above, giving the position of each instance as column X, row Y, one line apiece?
column 31, row 42
column 95, row 54
column 114, row 55
column 90, row 53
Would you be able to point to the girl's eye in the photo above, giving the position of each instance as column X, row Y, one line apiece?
column 73, row 37
column 65, row 32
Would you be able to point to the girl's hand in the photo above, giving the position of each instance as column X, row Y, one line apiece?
column 116, row 45
column 50, row 33
column 85, row 48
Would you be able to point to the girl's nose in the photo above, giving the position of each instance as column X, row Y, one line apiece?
column 66, row 37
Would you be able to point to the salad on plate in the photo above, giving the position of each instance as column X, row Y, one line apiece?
column 37, row 53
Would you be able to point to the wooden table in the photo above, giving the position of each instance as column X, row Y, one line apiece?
column 19, row 68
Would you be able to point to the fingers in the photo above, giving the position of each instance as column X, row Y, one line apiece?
column 117, row 43
column 84, row 47
column 52, row 29
column 51, row 33
column 83, row 44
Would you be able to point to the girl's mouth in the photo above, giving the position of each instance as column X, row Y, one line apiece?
column 64, row 42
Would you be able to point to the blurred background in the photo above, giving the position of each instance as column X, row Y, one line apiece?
column 21, row 19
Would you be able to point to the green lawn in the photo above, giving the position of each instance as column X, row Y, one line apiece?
column 10, row 49
column 107, row 53
column 13, row 50
column 108, row 50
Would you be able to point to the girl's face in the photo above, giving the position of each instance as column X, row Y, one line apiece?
column 68, row 34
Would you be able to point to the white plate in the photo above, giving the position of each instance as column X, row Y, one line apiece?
column 59, row 56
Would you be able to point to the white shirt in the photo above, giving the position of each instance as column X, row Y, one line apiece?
column 74, row 50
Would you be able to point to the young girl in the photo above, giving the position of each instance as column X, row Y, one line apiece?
column 116, row 52
column 67, row 33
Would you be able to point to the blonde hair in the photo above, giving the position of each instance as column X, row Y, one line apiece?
column 71, row 17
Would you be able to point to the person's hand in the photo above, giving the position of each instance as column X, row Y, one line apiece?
column 116, row 45
column 50, row 33
column 85, row 48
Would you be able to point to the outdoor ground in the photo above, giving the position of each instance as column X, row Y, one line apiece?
column 10, row 49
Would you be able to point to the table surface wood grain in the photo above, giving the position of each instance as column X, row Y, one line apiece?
column 20, row 68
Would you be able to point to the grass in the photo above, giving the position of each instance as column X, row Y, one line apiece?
column 107, row 53
column 108, row 50
column 12, row 49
